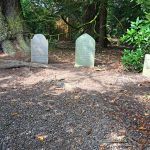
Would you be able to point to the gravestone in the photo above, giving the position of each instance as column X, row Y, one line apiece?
column 146, row 68
column 39, row 49
column 85, row 51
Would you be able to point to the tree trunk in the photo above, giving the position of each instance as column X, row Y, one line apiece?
column 11, row 24
column 89, row 15
column 3, row 27
column 101, row 21
column 8, row 64
column 101, row 24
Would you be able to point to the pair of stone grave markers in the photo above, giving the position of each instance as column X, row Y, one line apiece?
column 84, row 56
column 84, row 53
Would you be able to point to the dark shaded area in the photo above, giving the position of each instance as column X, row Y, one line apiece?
column 1, row 49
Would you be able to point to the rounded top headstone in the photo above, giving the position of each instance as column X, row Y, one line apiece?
column 147, row 56
column 39, row 36
column 39, row 49
column 85, row 51
column 85, row 36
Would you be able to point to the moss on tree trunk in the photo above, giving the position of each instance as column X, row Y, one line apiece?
column 3, row 27
column 12, row 27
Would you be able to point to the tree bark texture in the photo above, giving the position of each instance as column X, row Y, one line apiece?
column 11, row 27
column 102, row 22
column 8, row 64
column 97, row 30
column 90, row 11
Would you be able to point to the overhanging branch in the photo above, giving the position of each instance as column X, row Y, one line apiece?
column 85, row 24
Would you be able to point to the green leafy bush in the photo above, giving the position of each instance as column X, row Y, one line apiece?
column 133, row 60
column 138, row 36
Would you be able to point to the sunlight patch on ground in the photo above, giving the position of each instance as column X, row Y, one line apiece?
column 5, row 78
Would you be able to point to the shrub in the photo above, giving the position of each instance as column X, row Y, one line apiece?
column 138, row 36
column 133, row 60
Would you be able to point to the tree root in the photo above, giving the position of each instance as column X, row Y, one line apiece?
column 8, row 64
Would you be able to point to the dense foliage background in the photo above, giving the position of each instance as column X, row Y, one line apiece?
column 105, row 20
column 42, row 15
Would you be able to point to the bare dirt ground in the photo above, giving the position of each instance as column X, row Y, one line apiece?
column 67, row 108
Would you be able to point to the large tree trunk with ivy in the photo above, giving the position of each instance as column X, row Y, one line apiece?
column 97, row 29
column 89, row 15
column 11, row 27
column 101, row 24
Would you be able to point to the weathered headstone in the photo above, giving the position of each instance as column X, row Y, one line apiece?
column 39, row 49
column 146, row 68
column 85, row 51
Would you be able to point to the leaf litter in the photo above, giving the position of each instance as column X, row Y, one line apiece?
column 63, row 107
